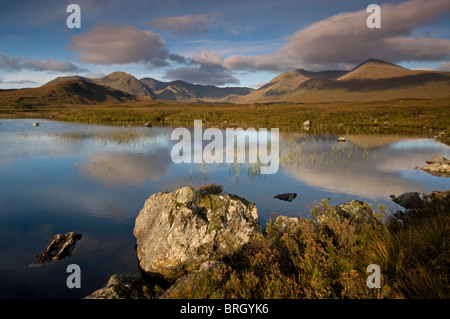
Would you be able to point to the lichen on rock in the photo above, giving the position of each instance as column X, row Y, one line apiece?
column 176, row 232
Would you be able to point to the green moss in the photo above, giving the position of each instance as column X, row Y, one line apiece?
column 178, row 204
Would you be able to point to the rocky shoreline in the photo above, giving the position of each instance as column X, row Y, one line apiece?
column 186, row 232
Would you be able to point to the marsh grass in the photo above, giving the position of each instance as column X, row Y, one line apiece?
column 118, row 137
column 407, row 117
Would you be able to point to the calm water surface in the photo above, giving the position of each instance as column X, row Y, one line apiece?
column 61, row 177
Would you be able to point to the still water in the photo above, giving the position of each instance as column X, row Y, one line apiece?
column 60, row 177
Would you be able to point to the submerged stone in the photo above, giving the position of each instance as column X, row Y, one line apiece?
column 59, row 247
column 289, row 197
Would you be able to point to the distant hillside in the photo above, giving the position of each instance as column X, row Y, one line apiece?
column 188, row 92
column 376, row 69
column 330, row 74
column 279, row 86
column 126, row 83
column 68, row 78
column 69, row 90
column 371, row 80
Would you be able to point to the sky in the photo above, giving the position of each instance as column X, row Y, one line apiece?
column 215, row 42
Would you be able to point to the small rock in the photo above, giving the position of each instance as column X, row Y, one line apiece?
column 437, row 159
column 289, row 197
column 285, row 224
column 122, row 286
column 408, row 200
column 60, row 246
column 358, row 211
column 437, row 166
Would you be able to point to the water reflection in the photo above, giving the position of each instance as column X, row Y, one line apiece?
column 369, row 166
column 376, row 170
column 62, row 177
column 113, row 168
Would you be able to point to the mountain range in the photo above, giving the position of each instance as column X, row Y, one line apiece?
column 371, row 80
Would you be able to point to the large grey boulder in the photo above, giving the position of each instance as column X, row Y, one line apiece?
column 176, row 232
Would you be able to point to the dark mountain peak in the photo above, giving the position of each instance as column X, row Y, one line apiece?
column 375, row 69
column 326, row 74
column 118, row 75
column 61, row 79
column 125, row 82
column 373, row 61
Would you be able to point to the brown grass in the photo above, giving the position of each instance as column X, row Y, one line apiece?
column 329, row 259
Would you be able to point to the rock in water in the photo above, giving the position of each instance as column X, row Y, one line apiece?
column 408, row 200
column 438, row 166
column 176, row 232
column 60, row 246
column 289, row 197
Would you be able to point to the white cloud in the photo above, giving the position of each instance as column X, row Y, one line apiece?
column 258, row 85
column 22, row 81
column 205, row 68
column 272, row 63
column 112, row 44
column 185, row 25
column 52, row 65
column 345, row 39
column 207, row 57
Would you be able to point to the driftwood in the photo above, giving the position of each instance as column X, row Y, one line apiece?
column 60, row 246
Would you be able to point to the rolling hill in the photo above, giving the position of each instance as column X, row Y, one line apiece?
column 126, row 83
column 376, row 69
column 68, row 90
column 369, row 81
column 187, row 92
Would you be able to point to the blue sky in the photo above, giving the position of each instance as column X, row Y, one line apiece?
column 224, row 43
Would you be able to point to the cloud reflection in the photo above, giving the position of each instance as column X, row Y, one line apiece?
column 126, row 168
column 375, row 172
